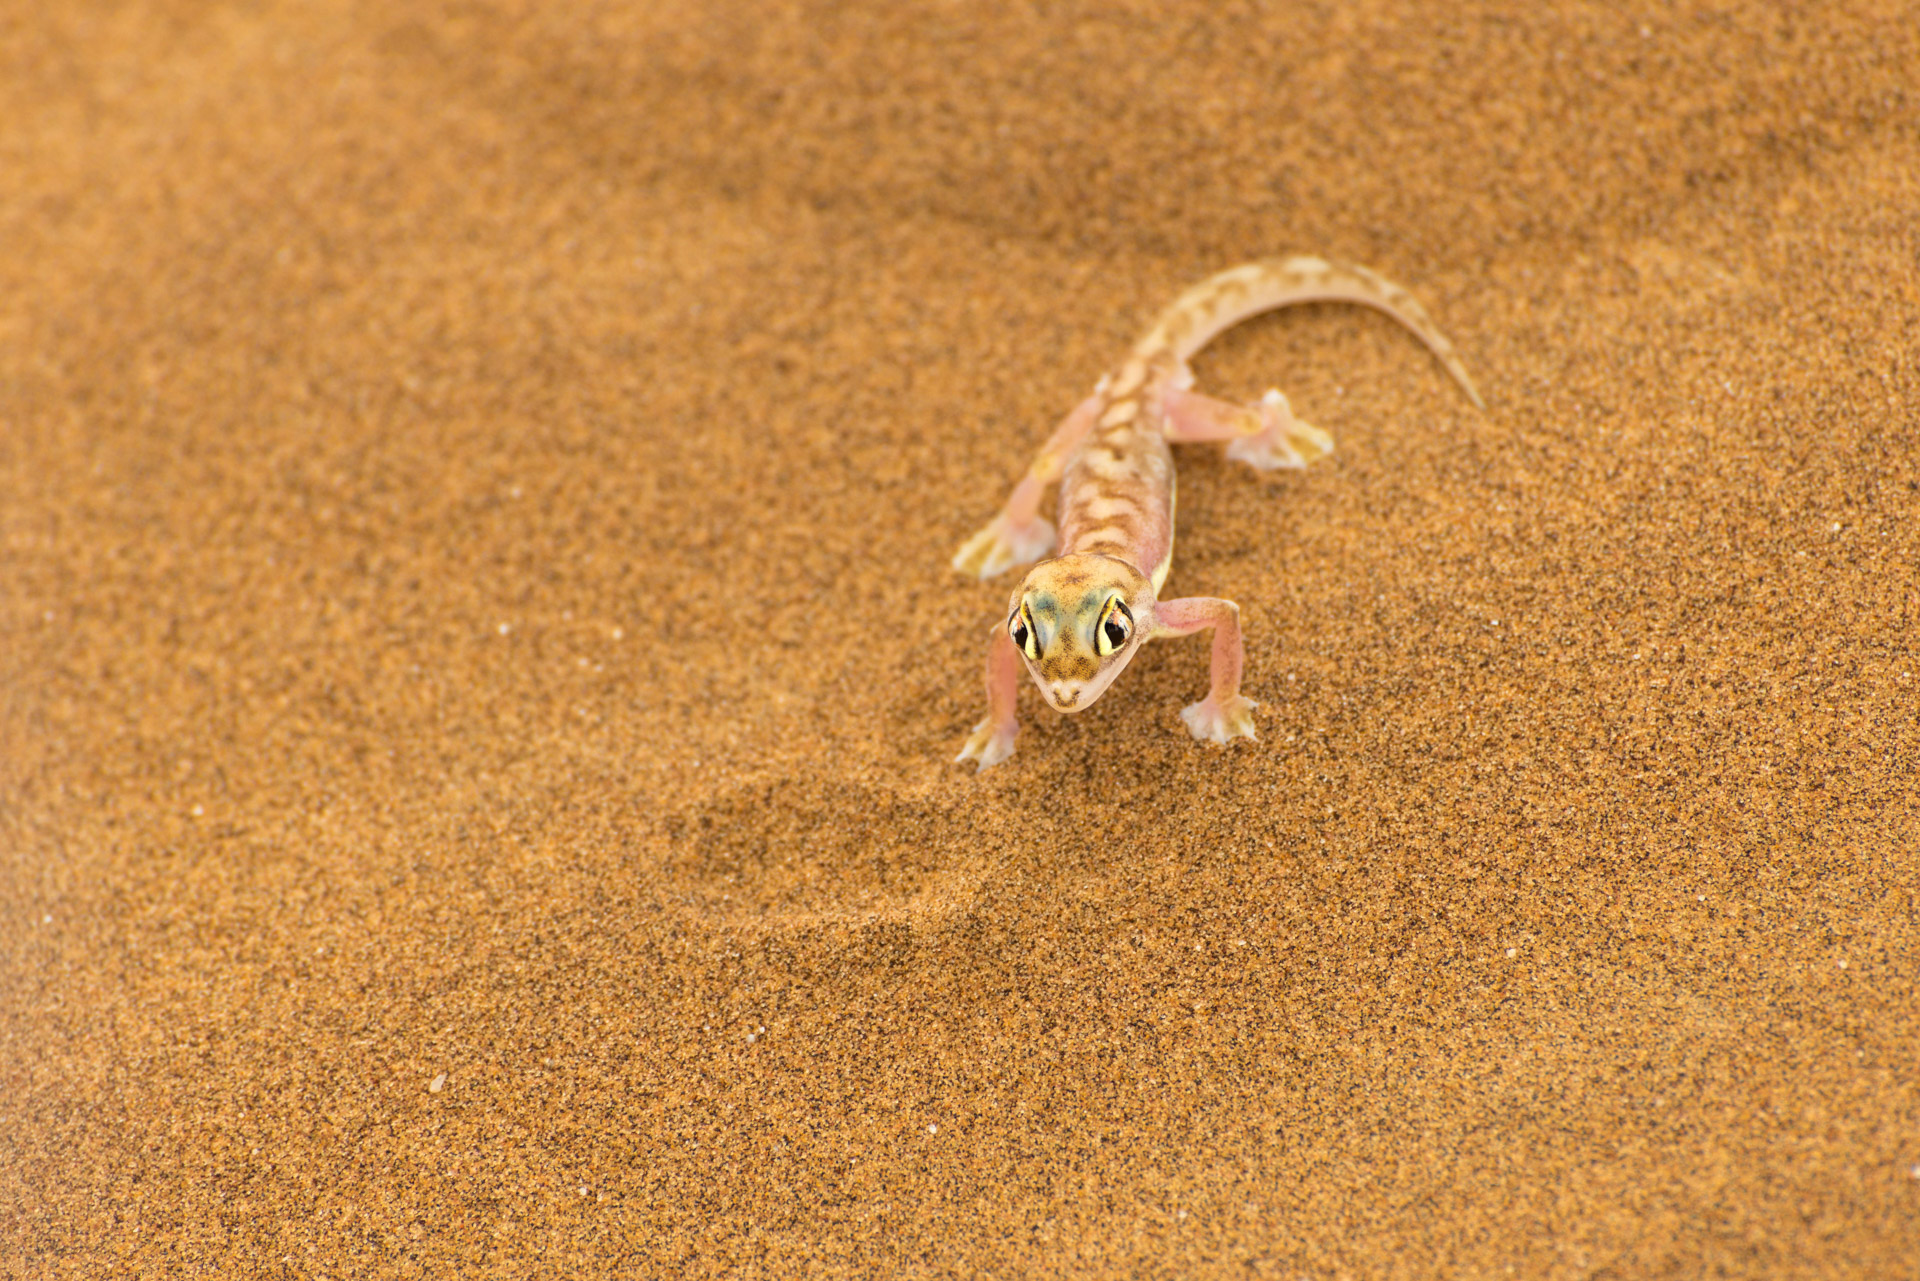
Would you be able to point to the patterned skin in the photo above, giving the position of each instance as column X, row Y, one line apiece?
column 1079, row 618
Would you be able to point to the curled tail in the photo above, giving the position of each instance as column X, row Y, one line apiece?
column 1219, row 302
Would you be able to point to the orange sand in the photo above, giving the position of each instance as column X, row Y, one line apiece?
column 476, row 482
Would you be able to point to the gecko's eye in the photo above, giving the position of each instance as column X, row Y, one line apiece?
column 1116, row 624
column 1020, row 630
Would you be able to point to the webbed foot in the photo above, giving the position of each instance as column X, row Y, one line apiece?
column 1286, row 441
column 989, row 744
column 1213, row 722
column 1001, row 546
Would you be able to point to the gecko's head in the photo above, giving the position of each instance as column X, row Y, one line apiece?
column 1073, row 621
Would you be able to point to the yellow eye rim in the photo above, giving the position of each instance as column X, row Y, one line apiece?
column 1115, row 628
column 1021, row 631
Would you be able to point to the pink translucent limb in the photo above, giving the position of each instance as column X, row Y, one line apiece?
column 1019, row 534
column 1051, row 461
column 992, row 739
column 1192, row 418
column 1265, row 434
column 1223, row 714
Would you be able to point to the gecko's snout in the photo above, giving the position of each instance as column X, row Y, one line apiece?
column 1068, row 696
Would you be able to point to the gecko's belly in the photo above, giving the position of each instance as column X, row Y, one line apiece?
column 1116, row 499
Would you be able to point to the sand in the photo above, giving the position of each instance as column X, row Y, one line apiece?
column 479, row 670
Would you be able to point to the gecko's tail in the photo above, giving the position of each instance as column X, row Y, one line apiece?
column 1220, row 302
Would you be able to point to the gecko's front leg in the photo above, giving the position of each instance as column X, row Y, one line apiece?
column 992, row 739
column 1224, row 713
column 1020, row 534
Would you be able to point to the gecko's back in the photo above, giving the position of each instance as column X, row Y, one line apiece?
column 1117, row 496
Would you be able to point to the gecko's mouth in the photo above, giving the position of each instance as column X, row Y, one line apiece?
column 1074, row 695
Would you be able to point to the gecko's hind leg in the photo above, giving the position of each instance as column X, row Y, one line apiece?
column 1264, row 435
column 1283, row 440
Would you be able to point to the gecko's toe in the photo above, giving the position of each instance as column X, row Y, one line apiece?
column 1001, row 546
column 1309, row 442
column 1212, row 722
column 1286, row 442
column 1268, row 451
column 988, row 744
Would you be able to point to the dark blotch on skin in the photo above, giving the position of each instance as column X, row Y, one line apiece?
column 1070, row 667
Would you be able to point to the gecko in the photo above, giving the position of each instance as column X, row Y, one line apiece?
column 1079, row 617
